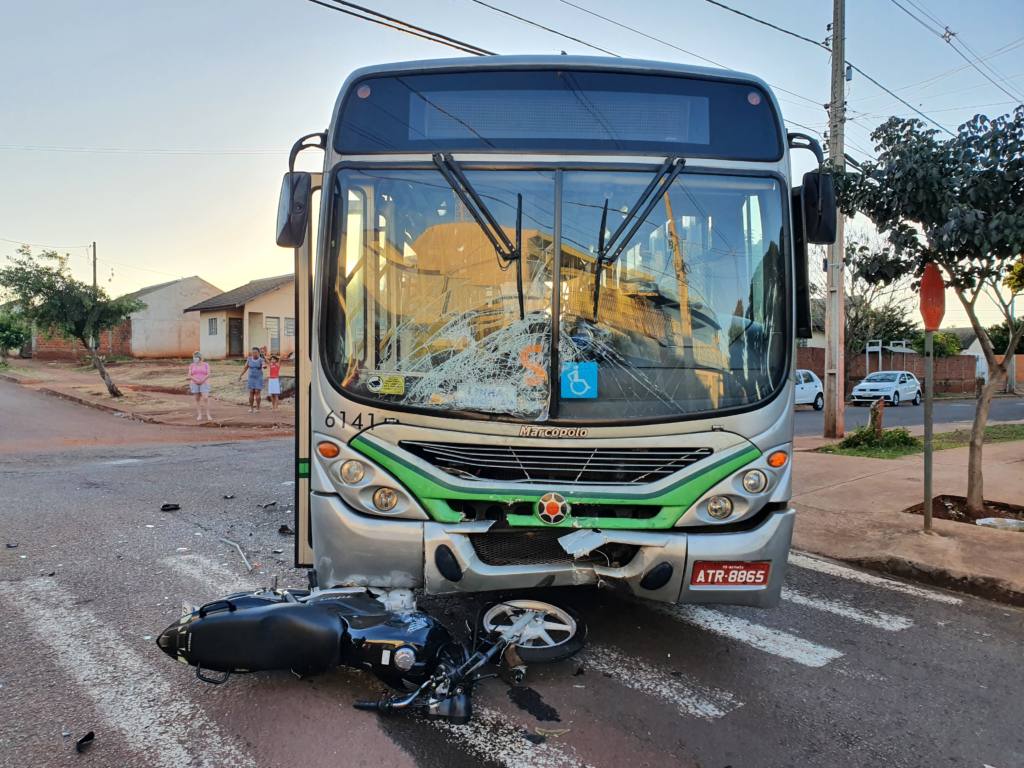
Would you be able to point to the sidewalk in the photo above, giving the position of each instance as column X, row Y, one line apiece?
column 154, row 392
column 849, row 509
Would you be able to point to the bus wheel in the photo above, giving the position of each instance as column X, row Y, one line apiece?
column 558, row 634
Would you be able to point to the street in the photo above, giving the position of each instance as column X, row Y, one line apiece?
column 852, row 669
column 811, row 422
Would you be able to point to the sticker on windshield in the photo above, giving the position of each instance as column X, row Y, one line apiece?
column 579, row 381
column 392, row 385
column 486, row 397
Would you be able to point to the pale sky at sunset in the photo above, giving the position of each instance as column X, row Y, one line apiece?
column 185, row 110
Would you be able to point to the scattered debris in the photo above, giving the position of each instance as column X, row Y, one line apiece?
column 85, row 741
column 288, row 482
column 579, row 670
column 170, row 507
column 244, row 558
column 150, row 526
column 65, row 732
column 268, row 505
column 229, row 495
column 278, row 551
column 285, row 530
column 181, row 549
column 1002, row 523
column 12, row 545
column 47, row 573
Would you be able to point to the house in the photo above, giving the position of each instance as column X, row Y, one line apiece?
column 969, row 345
column 157, row 330
column 257, row 314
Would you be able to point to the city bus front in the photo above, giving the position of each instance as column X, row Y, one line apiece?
column 552, row 331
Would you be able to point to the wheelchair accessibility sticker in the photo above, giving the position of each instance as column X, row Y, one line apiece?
column 579, row 381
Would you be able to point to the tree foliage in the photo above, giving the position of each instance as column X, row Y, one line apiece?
column 943, row 344
column 958, row 202
column 14, row 333
column 50, row 297
column 1000, row 336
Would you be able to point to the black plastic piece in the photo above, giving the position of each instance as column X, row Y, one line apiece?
column 457, row 708
column 446, row 563
column 657, row 577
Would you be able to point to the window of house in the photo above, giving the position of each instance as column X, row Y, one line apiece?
column 289, row 326
column 211, row 326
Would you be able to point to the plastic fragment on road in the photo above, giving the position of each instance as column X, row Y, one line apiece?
column 245, row 560
column 85, row 741
column 1002, row 523
column 285, row 530
column 170, row 507
column 229, row 495
column 268, row 505
column 12, row 545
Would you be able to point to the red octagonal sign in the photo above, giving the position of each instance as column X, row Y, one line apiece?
column 933, row 297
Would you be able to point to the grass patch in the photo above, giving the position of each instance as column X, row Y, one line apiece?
column 899, row 442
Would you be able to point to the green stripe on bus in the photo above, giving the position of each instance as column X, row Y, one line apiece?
column 434, row 493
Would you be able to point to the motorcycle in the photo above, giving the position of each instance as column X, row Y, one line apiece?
column 314, row 631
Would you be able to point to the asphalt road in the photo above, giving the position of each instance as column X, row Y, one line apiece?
column 811, row 422
column 851, row 669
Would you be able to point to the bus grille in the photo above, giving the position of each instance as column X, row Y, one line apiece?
column 521, row 464
column 542, row 548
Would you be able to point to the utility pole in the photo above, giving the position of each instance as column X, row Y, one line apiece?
column 835, row 367
column 94, row 264
column 1011, row 360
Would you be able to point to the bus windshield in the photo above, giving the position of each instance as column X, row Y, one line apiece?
column 421, row 312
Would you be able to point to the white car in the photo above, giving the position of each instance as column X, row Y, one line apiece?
column 809, row 390
column 894, row 387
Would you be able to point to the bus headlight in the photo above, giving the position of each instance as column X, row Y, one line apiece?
column 352, row 471
column 385, row 499
column 754, row 481
column 719, row 507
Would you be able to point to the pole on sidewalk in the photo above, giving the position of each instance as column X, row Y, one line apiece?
column 835, row 315
column 1011, row 362
column 933, row 307
column 929, row 379
column 94, row 264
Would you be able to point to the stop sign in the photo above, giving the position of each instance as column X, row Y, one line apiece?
column 933, row 297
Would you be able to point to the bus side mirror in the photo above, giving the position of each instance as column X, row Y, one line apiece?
column 818, row 200
column 293, row 209
column 801, row 278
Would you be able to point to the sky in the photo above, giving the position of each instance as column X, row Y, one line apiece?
column 160, row 130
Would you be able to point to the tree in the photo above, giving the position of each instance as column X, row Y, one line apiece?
column 14, row 334
column 873, row 310
column 958, row 202
column 1000, row 336
column 944, row 344
column 50, row 297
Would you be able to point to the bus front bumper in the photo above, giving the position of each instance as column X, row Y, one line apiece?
column 352, row 549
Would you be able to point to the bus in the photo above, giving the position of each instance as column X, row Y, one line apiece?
column 547, row 333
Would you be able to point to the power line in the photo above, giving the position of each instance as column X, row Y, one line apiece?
column 848, row 63
column 948, row 37
column 139, row 150
column 546, row 29
column 403, row 26
column 45, row 245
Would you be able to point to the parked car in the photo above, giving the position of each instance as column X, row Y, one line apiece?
column 809, row 390
column 894, row 387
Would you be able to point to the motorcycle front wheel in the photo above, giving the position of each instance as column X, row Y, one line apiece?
column 557, row 634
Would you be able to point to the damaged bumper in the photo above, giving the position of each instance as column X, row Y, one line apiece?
column 358, row 550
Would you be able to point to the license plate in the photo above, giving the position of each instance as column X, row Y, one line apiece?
column 730, row 574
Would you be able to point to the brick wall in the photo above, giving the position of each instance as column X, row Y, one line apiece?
column 953, row 375
column 116, row 341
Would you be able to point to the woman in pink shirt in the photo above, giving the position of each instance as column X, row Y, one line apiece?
column 199, row 385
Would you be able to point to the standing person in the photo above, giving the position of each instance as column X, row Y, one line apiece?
column 254, row 369
column 199, row 385
column 274, row 382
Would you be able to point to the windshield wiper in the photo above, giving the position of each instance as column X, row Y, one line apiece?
column 608, row 252
column 506, row 250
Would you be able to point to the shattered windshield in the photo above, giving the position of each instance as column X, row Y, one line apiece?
column 422, row 311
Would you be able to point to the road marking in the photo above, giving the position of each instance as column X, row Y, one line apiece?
column 688, row 697
column 834, row 569
column 888, row 621
column 155, row 717
column 763, row 638
column 217, row 578
column 490, row 737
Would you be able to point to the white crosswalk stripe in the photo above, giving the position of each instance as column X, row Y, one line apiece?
column 763, row 638
column 681, row 692
column 489, row 736
column 133, row 698
column 880, row 619
column 834, row 569
column 218, row 579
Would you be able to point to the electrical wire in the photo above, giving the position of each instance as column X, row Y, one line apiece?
column 948, row 37
column 402, row 26
column 848, row 63
column 140, row 150
column 546, row 29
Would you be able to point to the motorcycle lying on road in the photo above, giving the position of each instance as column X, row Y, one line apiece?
column 313, row 631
